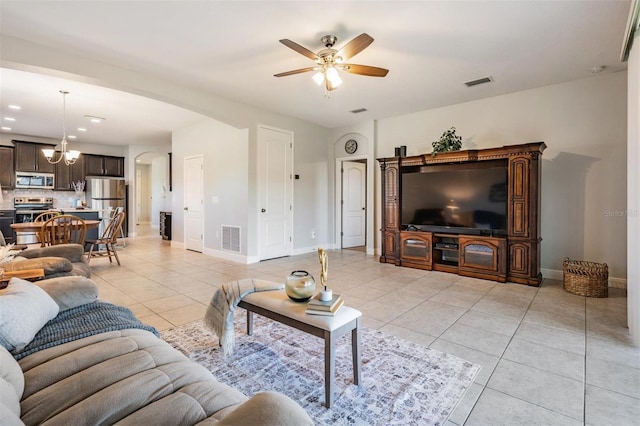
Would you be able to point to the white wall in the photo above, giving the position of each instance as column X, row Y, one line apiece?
column 584, row 180
column 225, row 150
column 633, row 192
column 159, row 189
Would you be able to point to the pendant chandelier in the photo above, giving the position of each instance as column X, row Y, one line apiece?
column 69, row 157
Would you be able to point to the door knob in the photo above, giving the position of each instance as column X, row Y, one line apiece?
column 263, row 210
column 186, row 208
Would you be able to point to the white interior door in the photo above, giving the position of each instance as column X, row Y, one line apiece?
column 354, row 201
column 275, row 198
column 193, row 202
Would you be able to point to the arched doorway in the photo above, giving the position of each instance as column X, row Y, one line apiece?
column 151, row 191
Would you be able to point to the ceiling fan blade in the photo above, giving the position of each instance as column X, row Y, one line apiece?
column 300, row 49
column 301, row 70
column 364, row 70
column 355, row 46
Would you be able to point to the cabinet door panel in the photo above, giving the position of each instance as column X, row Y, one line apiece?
column 25, row 157
column 390, row 249
column 519, row 202
column 77, row 170
column 391, row 198
column 43, row 165
column 93, row 165
column 486, row 254
column 7, row 172
column 519, row 258
column 63, row 176
column 415, row 247
column 114, row 166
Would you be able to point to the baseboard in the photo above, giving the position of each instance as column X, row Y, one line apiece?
column 226, row 255
column 554, row 274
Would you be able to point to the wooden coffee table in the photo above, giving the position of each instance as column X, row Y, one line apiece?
column 27, row 274
column 277, row 306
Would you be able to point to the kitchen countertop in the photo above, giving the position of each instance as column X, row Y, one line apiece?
column 74, row 210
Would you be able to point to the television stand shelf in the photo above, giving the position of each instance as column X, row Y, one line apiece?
column 445, row 236
column 475, row 256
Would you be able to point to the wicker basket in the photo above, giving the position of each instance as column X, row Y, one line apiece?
column 586, row 278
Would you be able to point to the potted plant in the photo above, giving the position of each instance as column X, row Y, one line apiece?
column 449, row 141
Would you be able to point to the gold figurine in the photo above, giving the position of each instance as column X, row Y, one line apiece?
column 324, row 265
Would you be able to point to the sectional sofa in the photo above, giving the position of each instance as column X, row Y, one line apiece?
column 68, row 358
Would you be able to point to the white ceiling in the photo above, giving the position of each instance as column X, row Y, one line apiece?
column 231, row 49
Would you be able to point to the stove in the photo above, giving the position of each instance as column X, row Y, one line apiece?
column 32, row 204
column 27, row 209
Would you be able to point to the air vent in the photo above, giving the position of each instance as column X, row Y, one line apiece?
column 358, row 111
column 479, row 81
column 231, row 238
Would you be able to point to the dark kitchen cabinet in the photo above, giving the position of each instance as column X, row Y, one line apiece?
column 6, row 219
column 103, row 165
column 65, row 175
column 7, row 171
column 29, row 157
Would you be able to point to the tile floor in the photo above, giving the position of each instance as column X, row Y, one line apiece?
column 548, row 357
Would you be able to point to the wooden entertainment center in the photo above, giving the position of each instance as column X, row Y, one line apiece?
column 512, row 255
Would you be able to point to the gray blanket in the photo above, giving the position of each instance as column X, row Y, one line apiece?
column 83, row 321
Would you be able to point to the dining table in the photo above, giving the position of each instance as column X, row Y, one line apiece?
column 37, row 226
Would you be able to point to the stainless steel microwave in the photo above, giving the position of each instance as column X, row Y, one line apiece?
column 34, row 180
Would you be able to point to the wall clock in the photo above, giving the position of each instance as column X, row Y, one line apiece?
column 351, row 146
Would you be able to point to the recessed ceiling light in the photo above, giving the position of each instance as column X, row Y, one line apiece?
column 10, row 119
column 71, row 136
column 5, row 128
column 82, row 129
column 17, row 107
column 95, row 119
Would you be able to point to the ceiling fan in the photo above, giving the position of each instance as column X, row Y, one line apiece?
column 329, row 60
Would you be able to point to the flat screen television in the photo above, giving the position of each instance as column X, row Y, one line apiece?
column 456, row 198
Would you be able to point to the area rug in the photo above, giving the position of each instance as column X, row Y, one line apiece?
column 403, row 383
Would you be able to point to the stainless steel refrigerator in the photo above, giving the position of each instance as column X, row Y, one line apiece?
column 105, row 195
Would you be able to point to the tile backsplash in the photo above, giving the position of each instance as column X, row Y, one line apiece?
column 62, row 199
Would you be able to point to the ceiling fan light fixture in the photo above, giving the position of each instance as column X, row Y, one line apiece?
column 318, row 78
column 333, row 77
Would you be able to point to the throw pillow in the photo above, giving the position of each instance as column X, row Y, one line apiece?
column 11, row 385
column 24, row 309
column 69, row 292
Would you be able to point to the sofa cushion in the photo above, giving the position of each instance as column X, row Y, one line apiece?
column 24, row 309
column 69, row 292
column 73, row 252
column 51, row 265
column 11, row 386
column 127, row 376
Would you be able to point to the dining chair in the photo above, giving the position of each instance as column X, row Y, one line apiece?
column 120, row 235
column 63, row 229
column 108, row 239
column 43, row 217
